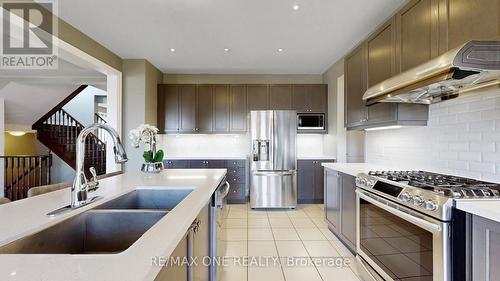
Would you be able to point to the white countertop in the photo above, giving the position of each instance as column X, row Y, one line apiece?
column 317, row 157
column 201, row 157
column 24, row 217
column 489, row 209
column 353, row 168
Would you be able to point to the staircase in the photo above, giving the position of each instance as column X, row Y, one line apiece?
column 58, row 130
column 24, row 172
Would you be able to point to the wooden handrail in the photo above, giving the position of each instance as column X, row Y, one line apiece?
column 60, row 105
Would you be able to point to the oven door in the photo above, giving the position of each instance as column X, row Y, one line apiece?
column 400, row 243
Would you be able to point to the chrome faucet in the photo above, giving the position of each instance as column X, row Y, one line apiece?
column 82, row 186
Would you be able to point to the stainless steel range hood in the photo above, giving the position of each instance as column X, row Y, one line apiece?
column 473, row 65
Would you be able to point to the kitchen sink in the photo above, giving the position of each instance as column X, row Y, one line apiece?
column 154, row 199
column 92, row 232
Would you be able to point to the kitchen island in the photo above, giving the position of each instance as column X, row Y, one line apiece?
column 28, row 216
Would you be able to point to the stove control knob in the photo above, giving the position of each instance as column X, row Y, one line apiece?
column 418, row 201
column 431, row 205
column 363, row 182
column 370, row 183
column 406, row 197
column 358, row 181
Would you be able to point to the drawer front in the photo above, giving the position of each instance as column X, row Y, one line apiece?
column 236, row 171
column 179, row 164
column 198, row 164
column 233, row 164
column 237, row 192
column 216, row 164
column 235, row 178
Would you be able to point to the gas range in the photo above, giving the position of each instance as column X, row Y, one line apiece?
column 429, row 193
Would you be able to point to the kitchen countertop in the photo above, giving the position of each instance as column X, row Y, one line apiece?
column 489, row 209
column 317, row 157
column 234, row 157
column 353, row 169
column 24, row 217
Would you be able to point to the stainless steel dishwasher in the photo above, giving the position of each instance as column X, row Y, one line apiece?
column 218, row 214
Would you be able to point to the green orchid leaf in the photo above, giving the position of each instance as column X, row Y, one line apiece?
column 159, row 156
column 148, row 156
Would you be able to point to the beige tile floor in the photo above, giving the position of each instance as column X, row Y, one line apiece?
column 284, row 236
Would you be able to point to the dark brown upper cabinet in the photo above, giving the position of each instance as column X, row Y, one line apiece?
column 310, row 98
column 381, row 65
column 205, row 105
column 238, row 108
column 257, row 97
column 187, row 108
column 280, row 97
column 464, row 20
column 355, row 87
column 221, row 108
column 168, row 108
column 381, row 54
column 417, row 40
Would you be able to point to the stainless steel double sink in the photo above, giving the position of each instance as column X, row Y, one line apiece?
column 109, row 228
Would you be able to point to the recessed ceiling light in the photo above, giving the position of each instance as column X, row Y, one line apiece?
column 295, row 7
column 227, row 50
column 172, row 50
column 280, row 50
column 17, row 133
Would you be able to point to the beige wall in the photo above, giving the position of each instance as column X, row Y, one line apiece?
column 22, row 145
column 241, row 79
column 330, row 77
column 140, row 80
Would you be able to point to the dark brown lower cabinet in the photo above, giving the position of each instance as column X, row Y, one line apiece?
column 340, row 206
column 485, row 249
column 195, row 245
column 237, row 174
column 310, row 181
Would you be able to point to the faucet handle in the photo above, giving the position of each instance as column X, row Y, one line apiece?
column 93, row 184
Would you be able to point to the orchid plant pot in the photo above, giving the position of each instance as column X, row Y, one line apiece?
column 145, row 135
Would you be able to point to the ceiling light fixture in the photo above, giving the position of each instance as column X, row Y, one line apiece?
column 172, row 50
column 17, row 133
column 295, row 7
column 227, row 50
column 280, row 50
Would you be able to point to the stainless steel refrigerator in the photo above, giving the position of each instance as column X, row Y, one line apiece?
column 273, row 182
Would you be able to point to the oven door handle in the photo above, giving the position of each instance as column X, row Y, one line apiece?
column 429, row 226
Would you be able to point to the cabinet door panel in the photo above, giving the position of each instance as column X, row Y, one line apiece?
column 319, row 180
column 301, row 99
column 332, row 200
column 418, row 33
column 238, row 107
column 355, row 87
column 187, row 102
column 305, row 181
column 201, row 246
column 198, row 164
column 381, row 55
column 318, row 97
column 221, row 108
column 205, row 109
column 280, row 97
column 485, row 249
column 348, row 219
column 257, row 97
column 380, row 66
column 472, row 19
column 168, row 108
column 177, row 272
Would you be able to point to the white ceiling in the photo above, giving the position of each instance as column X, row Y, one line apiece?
column 25, row 104
column 313, row 37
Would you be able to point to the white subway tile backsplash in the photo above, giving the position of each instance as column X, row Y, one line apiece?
column 462, row 137
column 469, row 156
column 482, row 146
column 487, row 168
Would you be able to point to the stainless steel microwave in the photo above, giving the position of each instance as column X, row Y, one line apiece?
column 311, row 122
